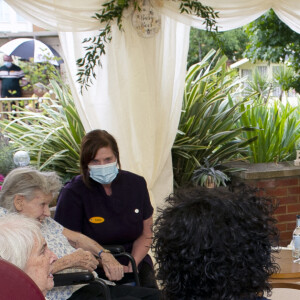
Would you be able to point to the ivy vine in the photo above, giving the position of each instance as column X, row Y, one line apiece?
column 113, row 10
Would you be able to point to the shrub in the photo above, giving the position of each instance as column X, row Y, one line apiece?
column 277, row 127
column 52, row 136
column 207, row 128
column 6, row 156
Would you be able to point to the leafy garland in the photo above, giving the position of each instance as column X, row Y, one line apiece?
column 113, row 10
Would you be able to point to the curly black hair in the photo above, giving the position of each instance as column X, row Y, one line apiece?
column 215, row 244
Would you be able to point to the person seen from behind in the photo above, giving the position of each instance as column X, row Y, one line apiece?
column 214, row 244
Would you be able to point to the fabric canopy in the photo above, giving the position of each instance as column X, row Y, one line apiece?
column 75, row 15
column 138, row 92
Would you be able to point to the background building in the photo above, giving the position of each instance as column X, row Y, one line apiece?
column 267, row 70
column 14, row 26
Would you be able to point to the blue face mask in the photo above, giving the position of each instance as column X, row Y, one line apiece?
column 104, row 174
column 8, row 64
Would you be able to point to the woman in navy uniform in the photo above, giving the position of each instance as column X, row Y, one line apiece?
column 110, row 205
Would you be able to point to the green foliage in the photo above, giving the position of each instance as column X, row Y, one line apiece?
column 277, row 127
column 38, row 72
column 282, row 78
column 295, row 83
column 207, row 128
column 259, row 86
column 198, row 9
column 272, row 40
column 263, row 87
column 53, row 136
column 113, row 11
column 207, row 175
column 232, row 43
column 6, row 155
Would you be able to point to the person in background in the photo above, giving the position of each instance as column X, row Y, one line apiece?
column 110, row 205
column 10, row 75
column 22, row 244
column 215, row 244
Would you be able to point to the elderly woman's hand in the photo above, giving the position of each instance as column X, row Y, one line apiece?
column 112, row 268
column 84, row 260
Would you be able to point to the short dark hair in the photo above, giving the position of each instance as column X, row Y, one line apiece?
column 215, row 244
column 90, row 144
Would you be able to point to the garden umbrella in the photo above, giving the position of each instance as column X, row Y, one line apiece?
column 31, row 48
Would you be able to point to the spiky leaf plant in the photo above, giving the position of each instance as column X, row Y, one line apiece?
column 209, row 176
column 52, row 137
column 207, row 128
column 278, row 130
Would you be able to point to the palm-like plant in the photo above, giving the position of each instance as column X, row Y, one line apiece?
column 283, row 76
column 53, row 136
column 278, row 130
column 207, row 128
column 260, row 85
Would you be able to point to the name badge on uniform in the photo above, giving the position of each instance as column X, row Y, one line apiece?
column 96, row 220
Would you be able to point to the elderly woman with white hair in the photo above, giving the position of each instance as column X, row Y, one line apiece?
column 29, row 192
column 22, row 244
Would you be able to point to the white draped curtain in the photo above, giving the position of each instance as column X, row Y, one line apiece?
column 137, row 95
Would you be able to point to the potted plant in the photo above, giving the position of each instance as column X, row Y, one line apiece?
column 207, row 175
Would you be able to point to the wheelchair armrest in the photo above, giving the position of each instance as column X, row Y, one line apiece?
column 62, row 279
column 133, row 264
column 118, row 251
column 115, row 249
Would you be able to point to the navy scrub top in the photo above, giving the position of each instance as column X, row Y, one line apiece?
column 116, row 219
column 10, row 81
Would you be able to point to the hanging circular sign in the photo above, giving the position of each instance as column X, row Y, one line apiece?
column 146, row 21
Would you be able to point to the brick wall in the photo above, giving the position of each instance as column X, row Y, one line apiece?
column 286, row 193
column 281, row 182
